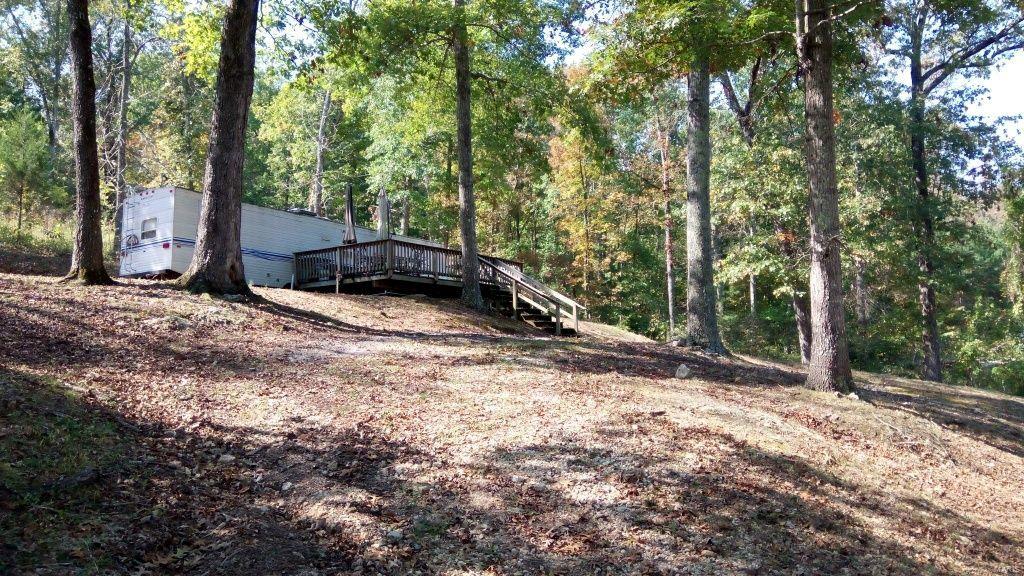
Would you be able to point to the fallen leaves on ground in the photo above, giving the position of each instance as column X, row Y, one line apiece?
column 302, row 433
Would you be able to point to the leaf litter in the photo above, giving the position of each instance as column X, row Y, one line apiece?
column 310, row 434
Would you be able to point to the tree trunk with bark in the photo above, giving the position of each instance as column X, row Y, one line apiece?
column 799, row 301
column 862, row 305
column 752, row 279
column 316, row 193
column 584, row 188
column 464, row 149
column 924, row 227
column 701, row 310
column 752, row 295
column 403, row 219
column 87, row 255
column 666, row 193
column 830, row 359
column 802, row 313
column 122, row 129
column 217, row 262
column 21, row 206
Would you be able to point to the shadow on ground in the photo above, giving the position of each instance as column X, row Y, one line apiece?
column 993, row 419
column 88, row 490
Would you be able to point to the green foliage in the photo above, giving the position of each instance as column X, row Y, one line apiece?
column 26, row 177
column 195, row 31
column 1013, row 236
column 568, row 158
column 53, row 240
column 989, row 348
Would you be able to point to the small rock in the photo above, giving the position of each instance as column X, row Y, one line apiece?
column 394, row 535
column 286, row 486
column 168, row 322
column 683, row 371
column 853, row 396
column 226, row 458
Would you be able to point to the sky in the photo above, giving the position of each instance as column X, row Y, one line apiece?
column 1005, row 97
column 1005, row 92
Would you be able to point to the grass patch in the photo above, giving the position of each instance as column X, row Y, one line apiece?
column 58, row 454
column 55, row 241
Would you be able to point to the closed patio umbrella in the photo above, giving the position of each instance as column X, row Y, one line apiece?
column 350, row 217
column 383, row 215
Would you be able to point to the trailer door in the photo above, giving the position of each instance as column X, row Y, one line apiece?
column 129, row 236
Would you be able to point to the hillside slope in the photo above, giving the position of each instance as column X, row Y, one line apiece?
column 144, row 430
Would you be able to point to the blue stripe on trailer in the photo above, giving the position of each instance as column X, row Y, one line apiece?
column 261, row 254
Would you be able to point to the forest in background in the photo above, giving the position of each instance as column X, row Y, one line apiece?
column 579, row 150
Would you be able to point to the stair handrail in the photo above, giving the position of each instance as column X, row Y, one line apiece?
column 531, row 282
column 558, row 305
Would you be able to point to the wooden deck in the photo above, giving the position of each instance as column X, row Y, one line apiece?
column 399, row 261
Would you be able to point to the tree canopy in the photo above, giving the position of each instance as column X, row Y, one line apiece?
column 579, row 149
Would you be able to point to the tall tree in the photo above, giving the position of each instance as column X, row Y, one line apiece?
column 316, row 193
column 121, row 145
column 25, row 174
column 937, row 41
column 41, row 53
column 464, row 149
column 745, row 112
column 829, row 368
column 217, row 261
column 87, row 255
column 701, row 309
column 661, row 135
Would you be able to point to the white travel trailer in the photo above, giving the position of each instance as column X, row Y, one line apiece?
column 159, row 234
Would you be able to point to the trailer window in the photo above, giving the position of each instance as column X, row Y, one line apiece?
column 149, row 228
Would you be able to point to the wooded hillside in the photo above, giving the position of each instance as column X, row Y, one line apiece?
column 401, row 435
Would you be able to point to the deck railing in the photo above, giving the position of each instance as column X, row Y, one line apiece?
column 388, row 258
column 381, row 258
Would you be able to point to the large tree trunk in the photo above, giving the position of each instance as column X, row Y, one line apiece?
column 217, row 262
column 701, row 311
column 316, row 193
column 924, row 227
column 87, row 255
column 666, row 193
column 830, row 359
column 122, row 130
column 464, row 148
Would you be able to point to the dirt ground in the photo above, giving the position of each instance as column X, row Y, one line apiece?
column 147, row 431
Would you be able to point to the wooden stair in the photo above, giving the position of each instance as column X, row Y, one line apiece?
column 501, row 302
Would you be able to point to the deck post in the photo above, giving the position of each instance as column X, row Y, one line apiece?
column 337, row 270
column 515, row 299
column 575, row 318
column 558, row 319
column 389, row 249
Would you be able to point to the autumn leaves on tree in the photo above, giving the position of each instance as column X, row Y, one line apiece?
column 769, row 132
